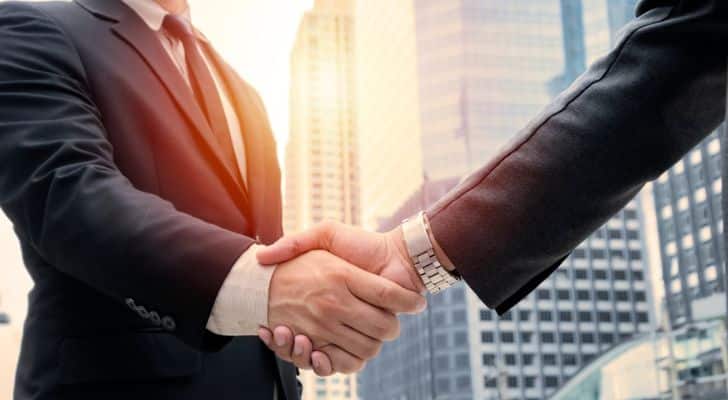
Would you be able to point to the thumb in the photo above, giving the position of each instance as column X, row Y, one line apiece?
column 292, row 246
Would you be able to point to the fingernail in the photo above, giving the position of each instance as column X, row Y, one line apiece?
column 280, row 341
column 316, row 363
column 297, row 349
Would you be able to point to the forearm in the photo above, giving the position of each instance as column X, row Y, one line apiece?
column 626, row 120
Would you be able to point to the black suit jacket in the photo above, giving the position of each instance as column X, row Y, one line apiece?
column 128, row 218
column 630, row 117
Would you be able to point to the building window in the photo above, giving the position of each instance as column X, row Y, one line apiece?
column 461, row 338
column 580, row 274
column 543, row 294
column 582, row 295
column 585, row 316
column 547, row 337
column 488, row 360
column 529, row 381
column 487, row 337
column 486, row 315
column 563, row 295
column 463, row 382
column 526, row 337
column 600, row 274
column 512, row 382
column 569, row 359
column 621, row 295
column 443, row 385
column 549, row 359
column 587, row 337
column 604, row 316
column 507, row 337
column 567, row 337
column 639, row 296
column 551, row 381
column 606, row 338
column 642, row 317
column 602, row 295
column 527, row 359
column 524, row 315
column 510, row 359
column 462, row 361
column 623, row 316
column 565, row 316
column 545, row 316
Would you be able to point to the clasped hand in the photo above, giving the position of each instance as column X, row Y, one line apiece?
column 335, row 296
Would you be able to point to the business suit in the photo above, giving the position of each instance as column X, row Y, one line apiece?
column 128, row 216
column 631, row 116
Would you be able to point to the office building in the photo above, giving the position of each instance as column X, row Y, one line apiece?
column 387, row 107
column 485, row 68
column 690, row 224
column 321, row 155
column 322, row 178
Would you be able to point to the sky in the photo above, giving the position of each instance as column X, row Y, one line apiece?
column 255, row 37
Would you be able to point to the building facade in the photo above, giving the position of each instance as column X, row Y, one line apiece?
column 690, row 224
column 387, row 107
column 322, row 177
column 485, row 68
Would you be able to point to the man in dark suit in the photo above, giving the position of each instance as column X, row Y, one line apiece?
column 140, row 174
column 509, row 225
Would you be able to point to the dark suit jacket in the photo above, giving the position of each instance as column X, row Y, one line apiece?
column 631, row 116
column 128, row 219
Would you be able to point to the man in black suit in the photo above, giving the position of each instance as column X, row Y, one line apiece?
column 140, row 174
column 509, row 225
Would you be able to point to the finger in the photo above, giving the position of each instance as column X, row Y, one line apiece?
column 373, row 321
column 384, row 293
column 291, row 246
column 341, row 360
column 356, row 343
column 321, row 364
column 266, row 336
column 302, row 348
column 283, row 340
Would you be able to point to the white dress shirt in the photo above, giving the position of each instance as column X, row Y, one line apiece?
column 241, row 306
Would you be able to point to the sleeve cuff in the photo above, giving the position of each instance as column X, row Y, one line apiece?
column 241, row 306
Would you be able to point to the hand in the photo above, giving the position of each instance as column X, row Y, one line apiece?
column 382, row 254
column 338, row 306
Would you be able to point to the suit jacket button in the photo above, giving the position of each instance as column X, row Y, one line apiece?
column 168, row 323
column 154, row 317
column 142, row 312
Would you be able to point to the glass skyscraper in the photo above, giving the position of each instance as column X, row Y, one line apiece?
column 690, row 223
column 484, row 69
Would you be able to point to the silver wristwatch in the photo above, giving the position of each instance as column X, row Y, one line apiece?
column 417, row 239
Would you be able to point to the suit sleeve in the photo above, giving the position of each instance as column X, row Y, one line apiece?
column 632, row 115
column 66, row 197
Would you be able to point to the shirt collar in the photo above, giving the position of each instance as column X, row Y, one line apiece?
column 152, row 13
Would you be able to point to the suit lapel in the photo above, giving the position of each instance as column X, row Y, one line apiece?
column 132, row 30
column 258, row 148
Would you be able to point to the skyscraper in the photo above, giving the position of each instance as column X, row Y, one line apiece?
column 388, row 115
column 484, row 69
column 322, row 178
column 690, row 224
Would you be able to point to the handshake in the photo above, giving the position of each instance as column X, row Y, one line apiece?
column 335, row 296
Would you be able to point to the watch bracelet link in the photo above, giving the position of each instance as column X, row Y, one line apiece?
column 434, row 275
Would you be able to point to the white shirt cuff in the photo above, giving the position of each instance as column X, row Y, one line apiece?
column 241, row 306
